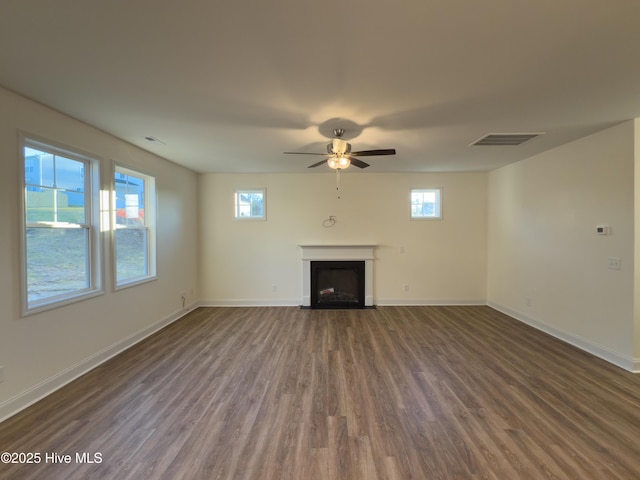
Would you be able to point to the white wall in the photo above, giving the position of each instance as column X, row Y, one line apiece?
column 444, row 261
column 41, row 352
column 636, row 305
column 546, row 265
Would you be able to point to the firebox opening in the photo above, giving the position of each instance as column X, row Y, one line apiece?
column 337, row 284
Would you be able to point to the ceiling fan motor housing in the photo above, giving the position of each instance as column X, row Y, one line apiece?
column 338, row 146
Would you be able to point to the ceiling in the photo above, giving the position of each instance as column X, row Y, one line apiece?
column 228, row 85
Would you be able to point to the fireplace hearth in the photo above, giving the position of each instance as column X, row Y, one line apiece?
column 337, row 284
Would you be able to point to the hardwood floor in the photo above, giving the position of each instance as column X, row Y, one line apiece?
column 392, row 393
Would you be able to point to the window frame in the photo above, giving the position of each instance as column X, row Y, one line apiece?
column 438, row 203
column 239, row 191
column 93, row 265
column 150, row 225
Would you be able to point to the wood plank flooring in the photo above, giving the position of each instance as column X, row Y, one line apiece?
column 393, row 393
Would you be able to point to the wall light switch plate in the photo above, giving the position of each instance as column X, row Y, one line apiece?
column 602, row 229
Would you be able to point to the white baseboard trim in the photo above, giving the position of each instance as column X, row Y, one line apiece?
column 417, row 302
column 626, row 363
column 19, row 402
column 297, row 302
column 243, row 302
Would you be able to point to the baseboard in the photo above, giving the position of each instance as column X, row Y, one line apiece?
column 294, row 302
column 19, row 402
column 417, row 302
column 626, row 363
column 243, row 302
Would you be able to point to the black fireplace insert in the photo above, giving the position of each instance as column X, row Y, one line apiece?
column 337, row 284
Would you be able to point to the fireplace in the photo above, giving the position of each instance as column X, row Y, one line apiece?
column 361, row 254
column 337, row 284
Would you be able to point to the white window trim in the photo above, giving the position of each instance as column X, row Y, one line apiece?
column 440, row 203
column 263, row 191
column 150, row 214
column 92, row 222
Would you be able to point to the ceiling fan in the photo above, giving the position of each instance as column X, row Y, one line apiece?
column 340, row 155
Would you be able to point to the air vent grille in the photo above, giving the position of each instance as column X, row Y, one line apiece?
column 505, row 139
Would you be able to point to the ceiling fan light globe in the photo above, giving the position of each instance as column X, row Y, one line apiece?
column 338, row 162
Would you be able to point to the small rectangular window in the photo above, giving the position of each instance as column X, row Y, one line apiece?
column 426, row 203
column 60, row 226
column 134, row 227
column 250, row 204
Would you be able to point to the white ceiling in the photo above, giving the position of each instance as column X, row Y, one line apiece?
column 228, row 85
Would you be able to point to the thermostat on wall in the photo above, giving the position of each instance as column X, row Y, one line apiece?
column 602, row 229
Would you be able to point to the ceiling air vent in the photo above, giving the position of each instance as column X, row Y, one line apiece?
column 510, row 139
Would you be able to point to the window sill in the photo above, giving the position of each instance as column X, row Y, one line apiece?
column 135, row 281
column 44, row 305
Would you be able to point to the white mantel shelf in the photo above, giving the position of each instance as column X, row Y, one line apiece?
column 337, row 245
column 337, row 252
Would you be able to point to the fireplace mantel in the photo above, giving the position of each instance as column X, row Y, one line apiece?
column 337, row 252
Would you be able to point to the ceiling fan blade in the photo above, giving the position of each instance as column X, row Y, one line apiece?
column 307, row 153
column 370, row 153
column 317, row 164
column 358, row 163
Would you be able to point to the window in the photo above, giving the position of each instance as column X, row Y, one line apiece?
column 426, row 203
column 61, row 245
column 134, row 236
column 250, row 204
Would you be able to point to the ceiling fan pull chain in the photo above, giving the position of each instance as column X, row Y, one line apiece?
column 338, row 182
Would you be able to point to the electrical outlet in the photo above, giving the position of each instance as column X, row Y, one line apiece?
column 528, row 302
column 1, row 374
column 614, row 263
column 274, row 288
column 405, row 288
